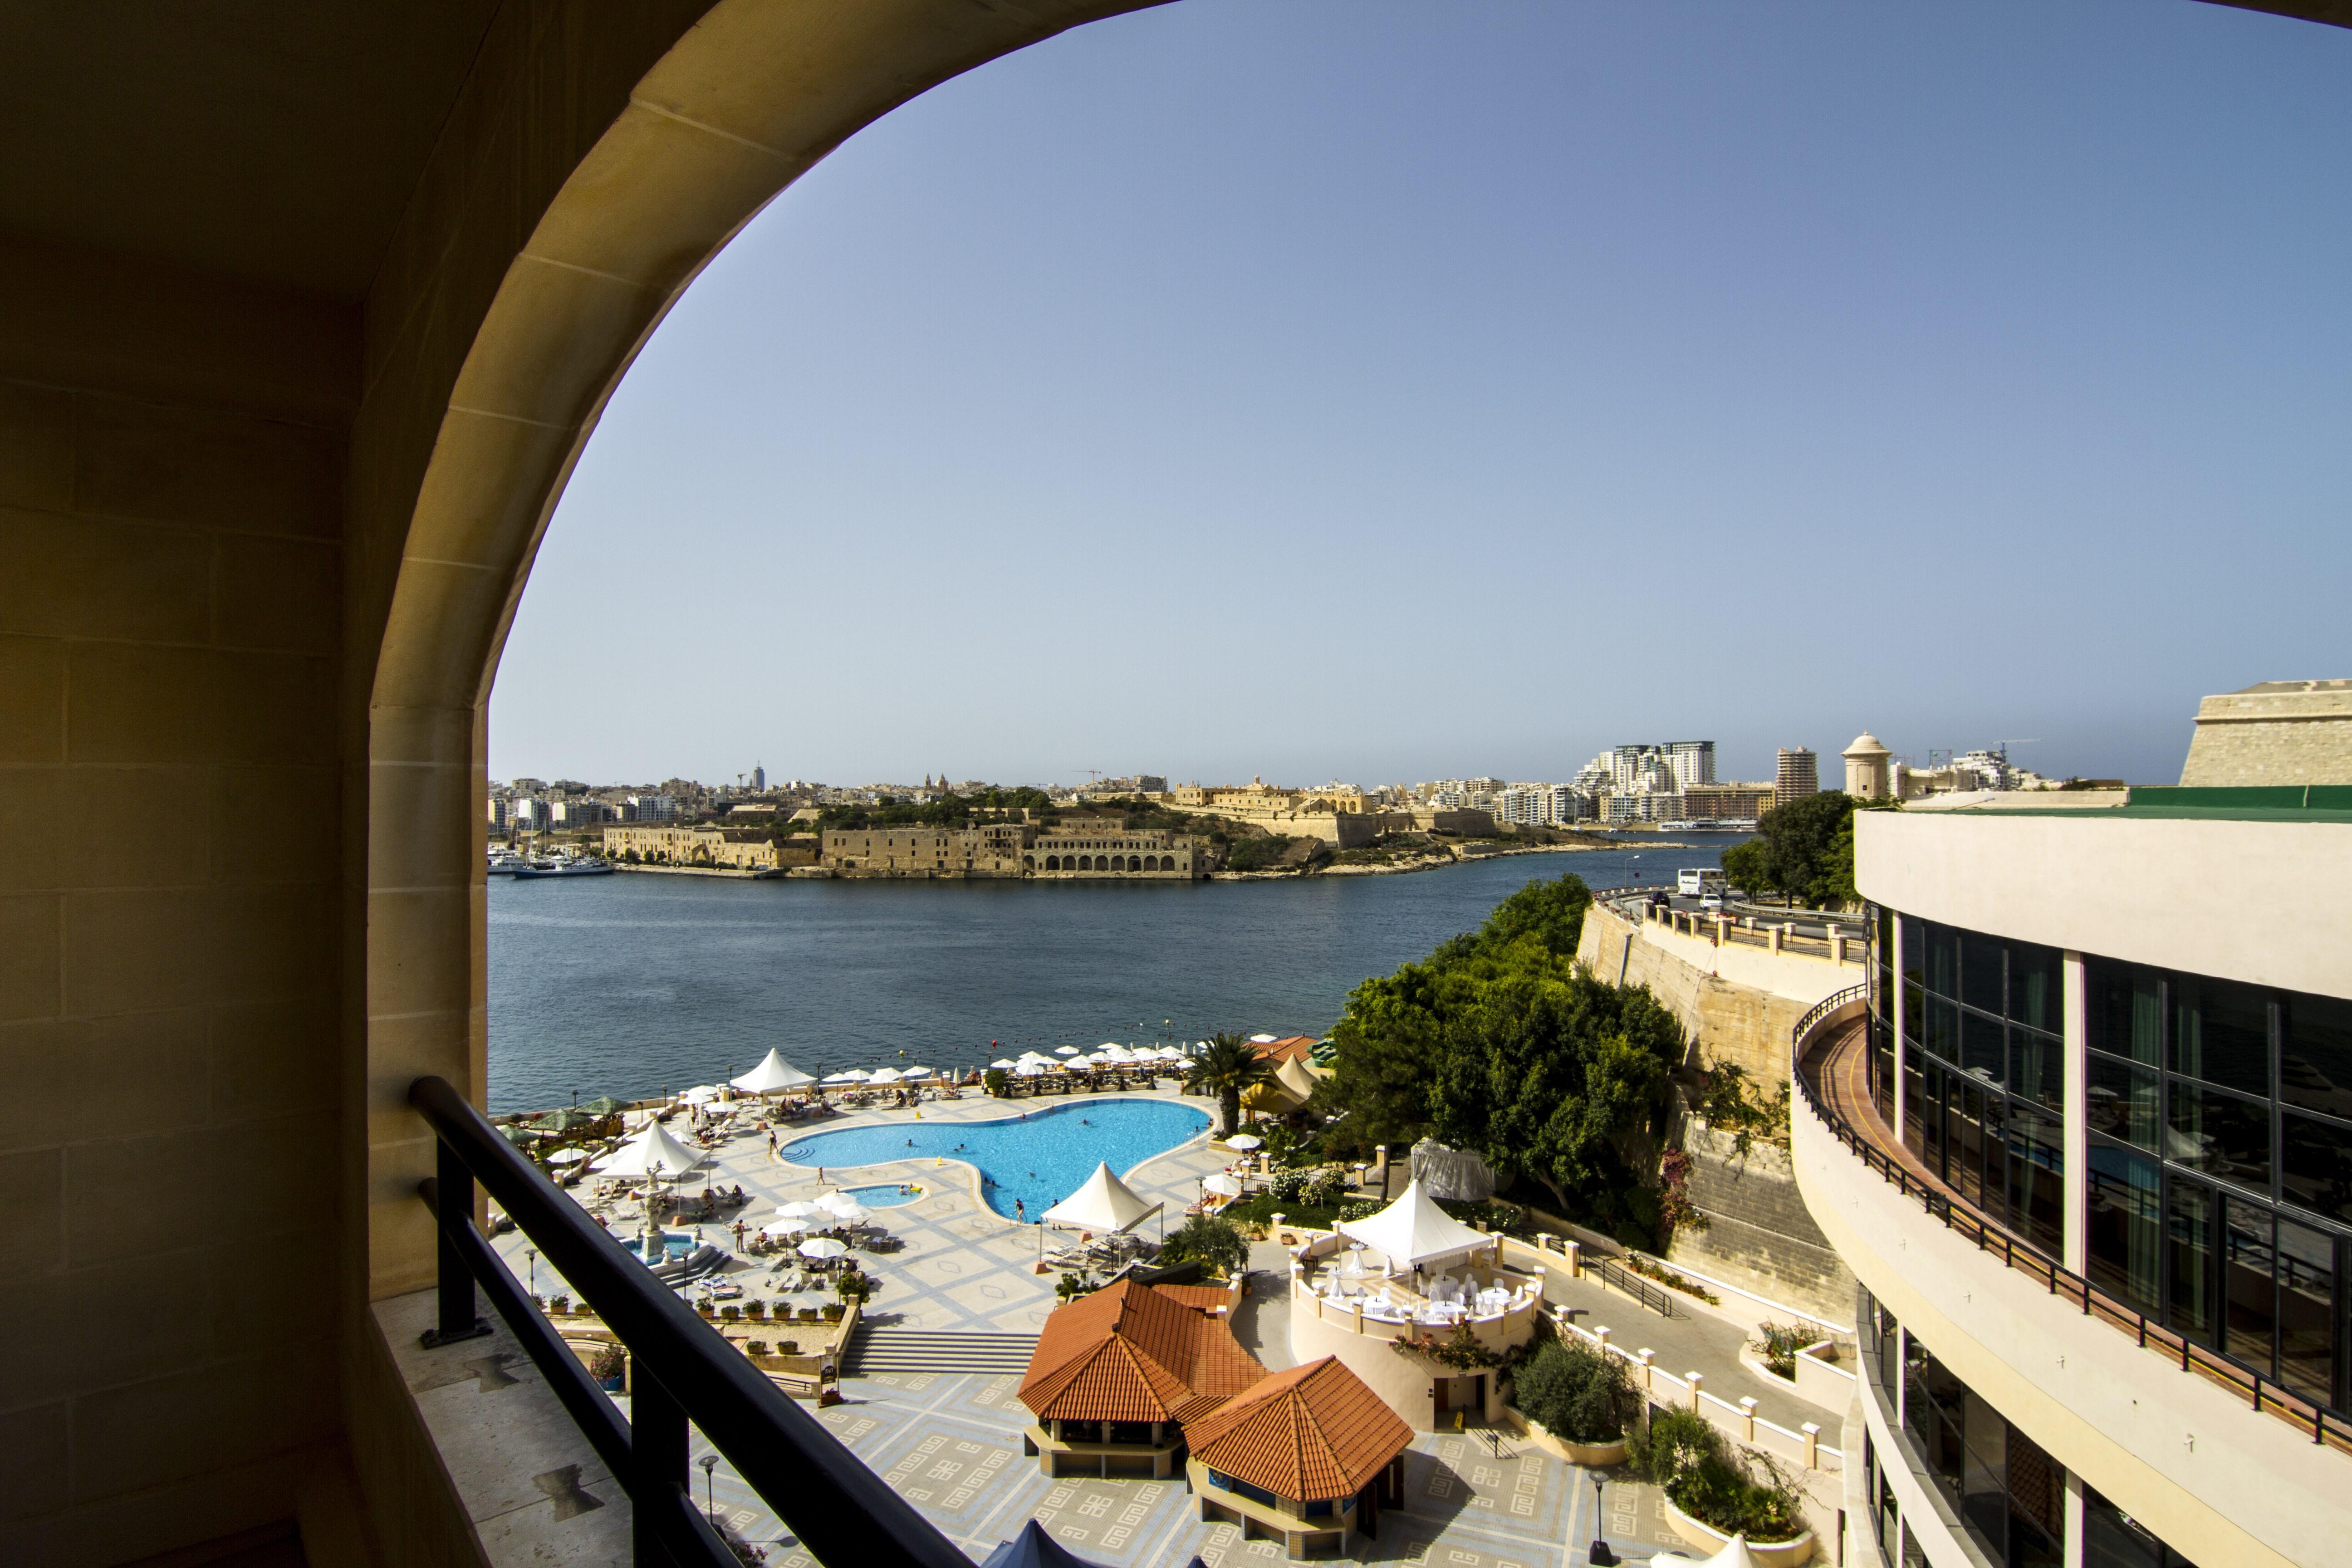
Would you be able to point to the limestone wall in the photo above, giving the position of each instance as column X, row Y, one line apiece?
column 1737, row 1004
column 1759, row 1235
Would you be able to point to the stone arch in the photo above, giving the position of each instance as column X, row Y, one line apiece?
column 1135, row 862
column 592, row 166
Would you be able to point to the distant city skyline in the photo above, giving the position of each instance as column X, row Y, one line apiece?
column 1481, row 387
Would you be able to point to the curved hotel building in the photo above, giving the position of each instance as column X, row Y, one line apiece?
column 2086, row 1140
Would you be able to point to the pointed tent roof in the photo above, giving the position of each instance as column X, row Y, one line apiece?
column 1129, row 1353
column 772, row 1074
column 1293, row 1076
column 1103, row 1202
column 1735, row 1554
column 1414, row 1230
column 1032, row 1548
column 1316, row 1431
column 653, row 1146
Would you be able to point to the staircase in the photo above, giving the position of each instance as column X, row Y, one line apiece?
column 918, row 1350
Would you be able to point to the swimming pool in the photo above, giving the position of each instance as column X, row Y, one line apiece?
column 887, row 1194
column 1038, row 1158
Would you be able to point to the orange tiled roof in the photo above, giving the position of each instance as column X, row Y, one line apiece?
column 1133, row 1352
column 1200, row 1298
column 1315, row 1431
column 1289, row 1047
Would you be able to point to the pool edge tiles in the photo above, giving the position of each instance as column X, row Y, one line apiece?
column 1019, row 1167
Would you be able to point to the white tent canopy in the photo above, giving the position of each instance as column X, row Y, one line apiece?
column 1735, row 1554
column 652, row 1148
column 1415, row 1231
column 1102, row 1203
column 772, row 1074
column 1293, row 1076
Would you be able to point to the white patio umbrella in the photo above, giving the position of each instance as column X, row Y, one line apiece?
column 1031, row 1069
column 823, row 1247
column 700, row 1094
column 887, row 1075
column 797, row 1211
column 833, row 1200
column 1244, row 1141
column 784, row 1227
column 567, row 1156
column 850, row 1212
column 852, row 1076
column 915, row 1072
column 1224, row 1186
column 1065, row 1050
column 1006, row 1062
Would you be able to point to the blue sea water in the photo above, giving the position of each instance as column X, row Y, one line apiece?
column 1039, row 1157
column 631, row 984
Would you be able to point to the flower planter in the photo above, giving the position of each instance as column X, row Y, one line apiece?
column 1598, row 1455
column 1709, row 1540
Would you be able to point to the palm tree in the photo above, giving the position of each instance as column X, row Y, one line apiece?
column 1229, row 1068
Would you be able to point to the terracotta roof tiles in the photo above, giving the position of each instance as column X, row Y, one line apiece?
column 1134, row 1352
column 1316, row 1431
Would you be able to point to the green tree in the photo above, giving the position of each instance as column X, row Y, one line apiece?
column 1577, row 1391
column 1216, row 1242
column 1748, row 867
column 1229, row 1068
column 1799, row 840
column 1552, row 913
column 1833, row 882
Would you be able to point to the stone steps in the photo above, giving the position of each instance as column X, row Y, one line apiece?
column 937, row 1351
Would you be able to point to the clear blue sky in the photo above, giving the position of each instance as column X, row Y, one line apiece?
column 1396, row 391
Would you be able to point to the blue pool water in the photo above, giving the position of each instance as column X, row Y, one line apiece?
column 1039, row 1158
column 887, row 1196
column 676, row 1243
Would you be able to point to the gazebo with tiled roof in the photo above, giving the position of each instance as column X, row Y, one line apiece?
column 1308, row 1455
column 1116, row 1374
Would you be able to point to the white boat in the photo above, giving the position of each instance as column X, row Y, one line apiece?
column 532, row 870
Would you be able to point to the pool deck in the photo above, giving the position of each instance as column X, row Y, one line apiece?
column 963, row 1268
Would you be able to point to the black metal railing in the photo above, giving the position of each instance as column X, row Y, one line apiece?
column 681, row 1371
column 1614, row 1274
column 2263, row 1393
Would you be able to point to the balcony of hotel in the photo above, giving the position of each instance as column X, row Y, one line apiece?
column 2224, row 1463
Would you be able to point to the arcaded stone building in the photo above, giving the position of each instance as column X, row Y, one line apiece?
column 1129, row 853
column 995, row 850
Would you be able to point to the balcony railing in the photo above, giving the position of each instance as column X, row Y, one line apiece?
column 840, row 1510
column 2262, row 1394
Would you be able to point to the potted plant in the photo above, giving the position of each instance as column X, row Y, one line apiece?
column 1579, row 1400
column 755, row 1311
column 755, row 1348
column 1777, row 1344
column 832, row 1311
column 808, row 1314
column 1713, row 1493
column 993, row 1080
column 707, row 1309
column 731, row 1313
column 788, row 1347
column 610, row 1367
column 559, row 1306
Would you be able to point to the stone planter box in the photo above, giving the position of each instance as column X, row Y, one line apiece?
column 1598, row 1455
column 1709, row 1540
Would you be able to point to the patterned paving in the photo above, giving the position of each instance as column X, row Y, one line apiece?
column 951, row 1446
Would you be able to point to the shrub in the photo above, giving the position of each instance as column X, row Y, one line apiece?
column 808, row 1314
column 1216, row 1242
column 609, row 1363
column 1329, row 1188
column 855, row 1287
column 1070, row 1287
column 559, row 1305
column 755, row 1311
column 993, row 1080
column 833, row 1311
column 1693, row 1465
column 1577, row 1391
column 1287, row 1186
column 1777, row 1344
column 730, row 1312
column 788, row 1347
column 756, row 1347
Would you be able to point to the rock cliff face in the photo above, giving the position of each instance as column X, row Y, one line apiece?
column 1759, row 1235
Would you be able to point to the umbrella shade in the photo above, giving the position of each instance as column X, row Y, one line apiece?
column 562, row 1120
column 1032, row 1548
column 915, row 1072
column 1224, row 1186
column 1065, row 1050
column 797, row 1211
column 784, row 1227
column 1006, row 1062
column 773, row 1073
column 603, row 1105
column 1244, row 1141
column 834, row 1200
column 514, row 1134
column 1031, row 1069
column 650, row 1153
column 853, row 1075
column 567, row 1156
column 701, row 1093
column 887, row 1075
column 850, row 1213
column 823, row 1247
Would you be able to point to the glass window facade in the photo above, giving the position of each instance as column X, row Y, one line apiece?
column 1985, row 1067
column 2218, row 1146
column 2221, row 1166
column 2011, row 1497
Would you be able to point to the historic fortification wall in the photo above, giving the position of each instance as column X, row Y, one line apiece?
column 1737, row 1004
column 1759, row 1236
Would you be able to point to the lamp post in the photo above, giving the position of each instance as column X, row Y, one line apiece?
column 531, row 1253
column 709, row 1462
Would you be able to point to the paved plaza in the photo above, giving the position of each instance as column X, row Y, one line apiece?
column 950, row 1445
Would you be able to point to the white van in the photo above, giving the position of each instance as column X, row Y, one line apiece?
column 1698, row 883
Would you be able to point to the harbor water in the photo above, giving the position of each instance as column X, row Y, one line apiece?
column 632, row 984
